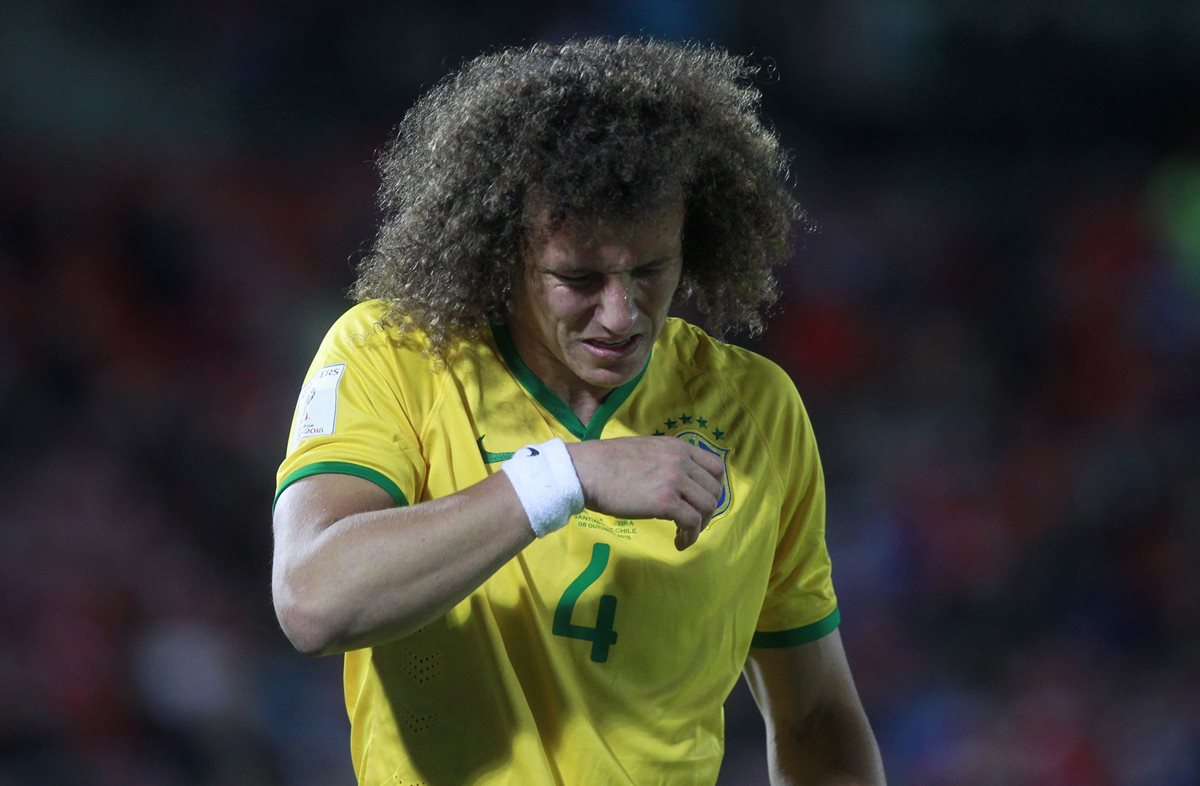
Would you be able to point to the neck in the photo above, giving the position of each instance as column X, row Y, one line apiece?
column 584, row 403
column 580, row 397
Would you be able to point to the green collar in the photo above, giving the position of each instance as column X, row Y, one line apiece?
column 550, row 400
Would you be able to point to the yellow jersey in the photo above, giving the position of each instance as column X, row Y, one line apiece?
column 599, row 654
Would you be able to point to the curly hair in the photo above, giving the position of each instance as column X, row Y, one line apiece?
column 590, row 128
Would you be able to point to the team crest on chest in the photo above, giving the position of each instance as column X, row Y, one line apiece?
column 699, row 431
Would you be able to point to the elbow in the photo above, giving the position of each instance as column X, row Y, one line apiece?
column 305, row 634
column 308, row 628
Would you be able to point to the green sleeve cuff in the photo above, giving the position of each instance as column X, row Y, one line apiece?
column 803, row 635
column 344, row 468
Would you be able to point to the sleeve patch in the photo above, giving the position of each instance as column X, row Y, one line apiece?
column 316, row 409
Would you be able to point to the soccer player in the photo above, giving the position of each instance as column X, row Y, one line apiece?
column 548, row 524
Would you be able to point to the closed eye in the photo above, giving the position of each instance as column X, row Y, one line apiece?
column 649, row 271
column 580, row 279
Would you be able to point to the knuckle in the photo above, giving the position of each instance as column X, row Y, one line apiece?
column 666, row 497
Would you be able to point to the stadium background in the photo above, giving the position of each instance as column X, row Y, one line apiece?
column 996, row 329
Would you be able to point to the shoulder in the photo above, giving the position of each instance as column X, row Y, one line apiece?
column 693, row 352
column 377, row 358
column 366, row 325
column 386, row 367
column 365, row 333
column 758, row 386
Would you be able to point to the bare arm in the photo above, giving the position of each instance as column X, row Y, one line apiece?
column 817, row 732
column 352, row 571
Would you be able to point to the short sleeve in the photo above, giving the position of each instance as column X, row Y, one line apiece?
column 800, row 605
column 354, row 412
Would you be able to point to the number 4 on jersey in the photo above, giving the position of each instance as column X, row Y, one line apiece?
column 602, row 636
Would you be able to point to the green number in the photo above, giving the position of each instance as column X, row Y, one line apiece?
column 602, row 636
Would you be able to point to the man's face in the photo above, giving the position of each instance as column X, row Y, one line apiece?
column 593, row 298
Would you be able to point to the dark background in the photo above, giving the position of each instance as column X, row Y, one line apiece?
column 996, row 330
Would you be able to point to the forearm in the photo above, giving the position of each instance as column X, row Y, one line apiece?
column 834, row 746
column 370, row 577
column 817, row 731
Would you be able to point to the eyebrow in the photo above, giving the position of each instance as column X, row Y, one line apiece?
column 577, row 271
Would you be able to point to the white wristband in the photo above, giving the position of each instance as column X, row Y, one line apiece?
column 545, row 481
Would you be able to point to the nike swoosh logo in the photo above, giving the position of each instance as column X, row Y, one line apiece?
column 488, row 456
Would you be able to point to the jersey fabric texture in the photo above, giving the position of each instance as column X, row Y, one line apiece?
column 599, row 654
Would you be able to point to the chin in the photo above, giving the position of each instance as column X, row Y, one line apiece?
column 610, row 377
column 605, row 374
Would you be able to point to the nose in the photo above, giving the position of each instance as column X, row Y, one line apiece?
column 617, row 311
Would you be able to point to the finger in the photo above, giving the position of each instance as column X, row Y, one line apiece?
column 713, row 464
column 687, row 517
column 706, row 480
column 682, row 540
column 685, row 538
column 701, row 494
column 689, row 523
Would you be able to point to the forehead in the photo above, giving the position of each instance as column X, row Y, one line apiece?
column 659, row 230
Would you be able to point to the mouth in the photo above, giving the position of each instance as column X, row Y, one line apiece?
column 611, row 350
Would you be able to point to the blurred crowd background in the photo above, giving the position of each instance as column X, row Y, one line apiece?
column 995, row 326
